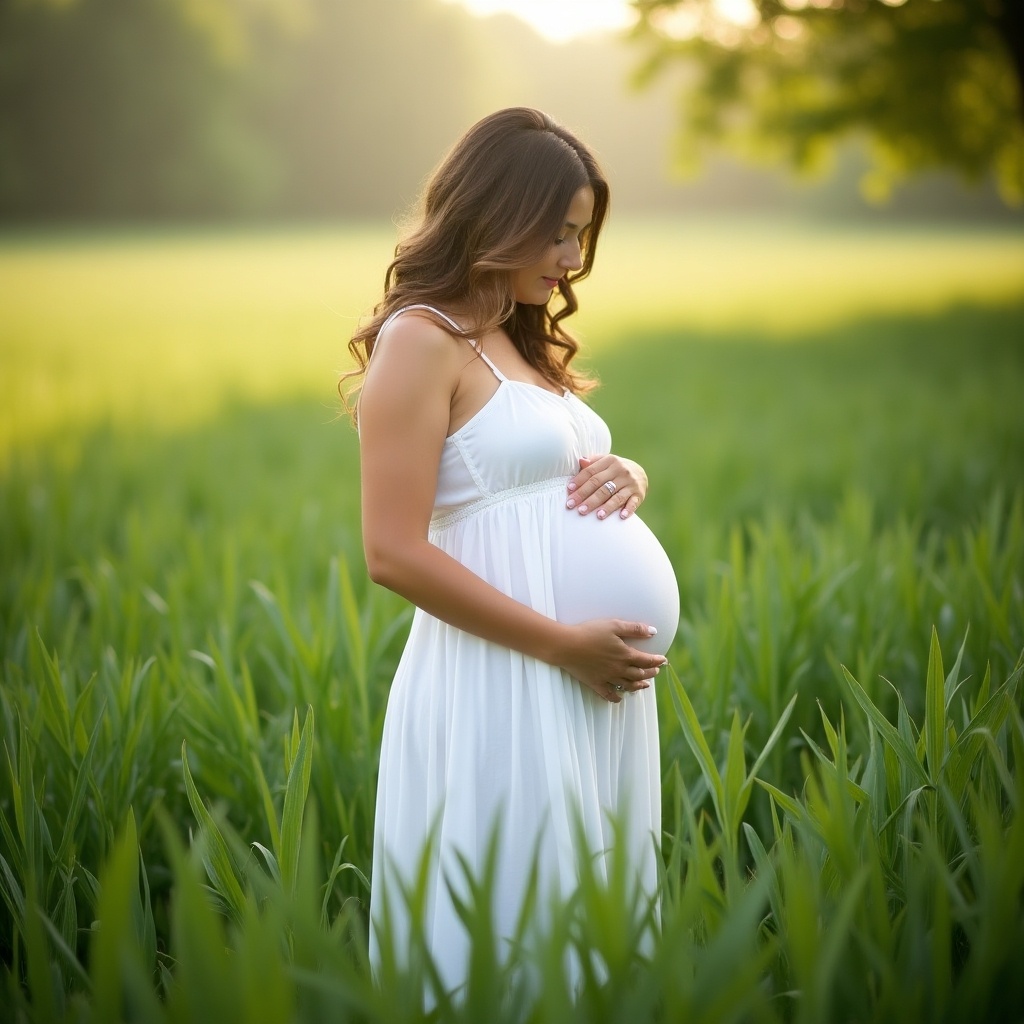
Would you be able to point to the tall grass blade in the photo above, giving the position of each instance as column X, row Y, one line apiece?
column 204, row 986
column 11, row 891
column 970, row 743
column 83, row 780
column 898, row 744
column 269, row 811
column 295, row 794
column 41, row 977
column 123, row 950
column 216, row 856
column 697, row 743
column 935, row 710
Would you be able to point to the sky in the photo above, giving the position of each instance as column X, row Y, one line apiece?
column 560, row 20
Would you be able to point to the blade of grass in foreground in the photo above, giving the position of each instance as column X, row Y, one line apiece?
column 216, row 856
column 295, row 794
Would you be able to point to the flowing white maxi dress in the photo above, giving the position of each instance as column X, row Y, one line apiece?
column 479, row 737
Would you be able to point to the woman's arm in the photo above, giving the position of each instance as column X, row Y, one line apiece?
column 404, row 410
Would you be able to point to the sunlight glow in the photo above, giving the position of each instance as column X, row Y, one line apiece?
column 560, row 20
column 724, row 22
column 742, row 13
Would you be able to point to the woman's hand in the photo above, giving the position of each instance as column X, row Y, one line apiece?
column 607, row 484
column 598, row 654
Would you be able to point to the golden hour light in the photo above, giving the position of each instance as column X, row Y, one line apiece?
column 560, row 20
column 511, row 510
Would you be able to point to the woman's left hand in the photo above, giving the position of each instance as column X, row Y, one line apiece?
column 605, row 485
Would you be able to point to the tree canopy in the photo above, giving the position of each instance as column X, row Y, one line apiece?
column 160, row 109
column 930, row 83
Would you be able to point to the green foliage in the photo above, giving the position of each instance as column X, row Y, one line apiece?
column 129, row 110
column 195, row 669
column 114, row 109
column 931, row 83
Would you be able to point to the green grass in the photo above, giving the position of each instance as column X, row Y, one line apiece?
column 194, row 663
column 160, row 328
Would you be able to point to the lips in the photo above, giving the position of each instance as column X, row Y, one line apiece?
column 551, row 282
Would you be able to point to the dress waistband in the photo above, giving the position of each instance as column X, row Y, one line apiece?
column 442, row 520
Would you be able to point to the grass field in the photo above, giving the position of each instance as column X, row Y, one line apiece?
column 832, row 424
column 158, row 328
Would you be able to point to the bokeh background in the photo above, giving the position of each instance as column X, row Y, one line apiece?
column 209, row 109
column 197, row 197
column 807, row 315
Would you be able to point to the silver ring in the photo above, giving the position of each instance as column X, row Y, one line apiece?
column 618, row 688
column 610, row 485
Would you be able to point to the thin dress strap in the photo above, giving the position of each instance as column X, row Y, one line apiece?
column 444, row 316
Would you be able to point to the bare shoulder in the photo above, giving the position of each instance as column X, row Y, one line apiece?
column 415, row 360
column 419, row 334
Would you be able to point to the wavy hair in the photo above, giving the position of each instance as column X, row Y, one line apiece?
column 493, row 206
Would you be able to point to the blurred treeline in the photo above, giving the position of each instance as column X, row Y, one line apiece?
column 203, row 109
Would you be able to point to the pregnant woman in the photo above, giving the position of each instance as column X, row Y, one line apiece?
column 522, row 710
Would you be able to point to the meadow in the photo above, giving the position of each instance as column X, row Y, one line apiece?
column 195, row 667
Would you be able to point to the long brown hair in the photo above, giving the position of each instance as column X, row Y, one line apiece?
column 494, row 205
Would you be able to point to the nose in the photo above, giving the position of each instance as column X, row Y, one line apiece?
column 572, row 258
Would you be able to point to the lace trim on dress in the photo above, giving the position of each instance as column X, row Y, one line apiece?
column 441, row 521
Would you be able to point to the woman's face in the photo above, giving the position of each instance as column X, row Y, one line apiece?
column 533, row 285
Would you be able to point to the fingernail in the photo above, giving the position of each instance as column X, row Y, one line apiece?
column 624, row 514
column 570, row 503
column 651, row 631
column 572, row 487
column 601, row 514
column 583, row 510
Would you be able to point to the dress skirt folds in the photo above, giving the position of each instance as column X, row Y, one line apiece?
column 485, row 747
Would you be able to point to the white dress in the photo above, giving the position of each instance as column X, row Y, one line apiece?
column 479, row 737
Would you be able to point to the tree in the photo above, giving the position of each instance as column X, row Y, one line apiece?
column 115, row 109
column 930, row 83
column 121, row 108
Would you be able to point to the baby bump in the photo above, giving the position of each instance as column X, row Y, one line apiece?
column 614, row 568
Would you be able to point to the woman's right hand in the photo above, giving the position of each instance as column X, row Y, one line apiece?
column 599, row 655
